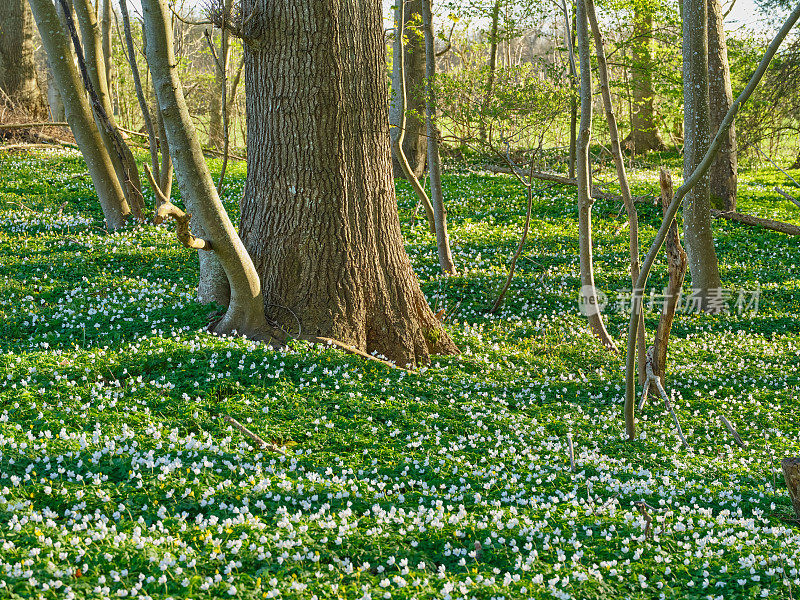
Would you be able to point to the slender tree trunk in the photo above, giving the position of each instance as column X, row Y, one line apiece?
column 18, row 78
column 216, row 125
column 671, row 211
column 644, row 132
column 108, row 56
column 245, row 312
column 152, row 140
column 79, row 116
column 492, row 68
column 121, row 156
column 319, row 213
column 412, row 52
column 589, row 299
column 397, row 133
column 619, row 163
column 573, row 104
column 434, row 160
column 698, row 235
column 723, row 174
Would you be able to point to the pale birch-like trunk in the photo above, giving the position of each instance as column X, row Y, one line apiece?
column 105, row 30
column 434, row 160
column 245, row 312
column 121, row 156
column 698, row 235
column 589, row 300
column 408, row 59
column 79, row 116
column 724, row 172
column 397, row 133
column 493, row 44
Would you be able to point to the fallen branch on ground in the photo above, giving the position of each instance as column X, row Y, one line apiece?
column 788, row 196
column 258, row 440
column 563, row 180
column 732, row 431
column 653, row 379
column 12, row 126
column 778, row 226
column 25, row 147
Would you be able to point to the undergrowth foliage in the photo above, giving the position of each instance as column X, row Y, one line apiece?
column 118, row 477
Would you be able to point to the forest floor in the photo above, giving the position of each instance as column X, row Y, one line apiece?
column 119, row 478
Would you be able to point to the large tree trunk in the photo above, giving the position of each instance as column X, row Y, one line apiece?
column 588, row 299
column 245, row 312
column 18, row 77
column 415, row 143
column 319, row 214
column 698, row 236
column 644, row 132
column 723, row 173
column 79, row 116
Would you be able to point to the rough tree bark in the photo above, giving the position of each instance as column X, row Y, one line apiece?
column 723, row 174
column 434, row 159
column 644, row 132
column 245, row 312
column 79, row 116
column 18, row 78
column 698, row 235
column 791, row 474
column 415, row 143
column 319, row 214
column 589, row 300
column 676, row 263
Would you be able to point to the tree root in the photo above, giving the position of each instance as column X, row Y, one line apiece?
column 350, row 350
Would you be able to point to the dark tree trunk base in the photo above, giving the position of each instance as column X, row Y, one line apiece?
column 791, row 473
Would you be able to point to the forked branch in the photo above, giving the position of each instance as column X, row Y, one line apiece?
column 182, row 219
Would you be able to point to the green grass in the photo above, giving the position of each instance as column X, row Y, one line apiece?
column 118, row 477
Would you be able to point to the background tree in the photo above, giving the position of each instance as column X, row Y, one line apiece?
column 644, row 131
column 723, row 173
column 79, row 116
column 411, row 42
column 699, row 238
column 18, row 78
